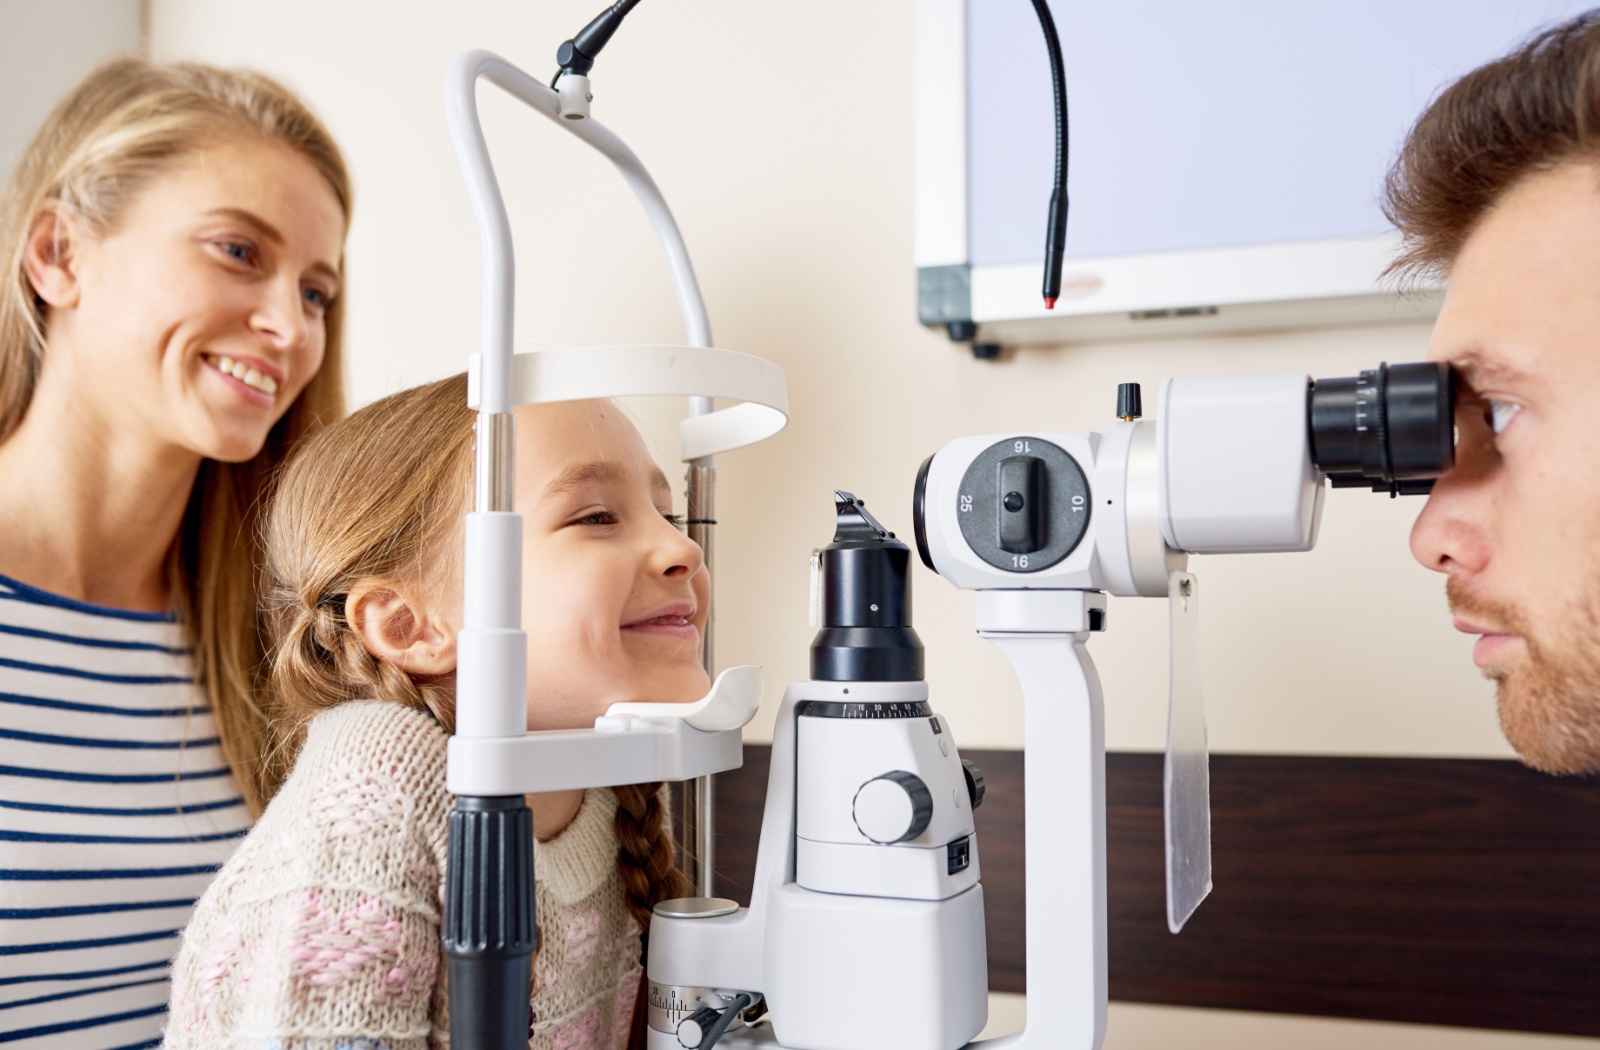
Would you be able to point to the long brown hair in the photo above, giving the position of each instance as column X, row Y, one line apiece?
column 1527, row 112
column 120, row 129
column 380, row 495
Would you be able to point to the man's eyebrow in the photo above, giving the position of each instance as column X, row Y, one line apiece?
column 1481, row 370
column 271, row 233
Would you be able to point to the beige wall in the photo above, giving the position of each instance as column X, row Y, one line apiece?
column 786, row 154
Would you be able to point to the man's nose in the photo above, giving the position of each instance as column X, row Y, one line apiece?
column 1454, row 532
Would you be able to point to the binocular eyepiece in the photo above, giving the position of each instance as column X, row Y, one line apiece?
column 1391, row 428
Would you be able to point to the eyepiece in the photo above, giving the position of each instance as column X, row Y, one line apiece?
column 1391, row 428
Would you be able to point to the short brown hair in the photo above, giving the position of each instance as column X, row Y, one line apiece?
column 1530, row 111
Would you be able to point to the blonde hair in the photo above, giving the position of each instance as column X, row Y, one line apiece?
column 122, row 127
column 379, row 496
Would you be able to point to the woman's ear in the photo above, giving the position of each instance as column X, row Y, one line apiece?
column 397, row 626
column 51, row 256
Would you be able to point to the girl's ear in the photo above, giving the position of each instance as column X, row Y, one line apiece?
column 50, row 257
column 398, row 627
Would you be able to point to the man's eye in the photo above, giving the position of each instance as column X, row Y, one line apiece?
column 1500, row 413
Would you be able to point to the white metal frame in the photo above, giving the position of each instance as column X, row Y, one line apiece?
column 492, row 753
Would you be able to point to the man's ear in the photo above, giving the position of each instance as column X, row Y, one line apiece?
column 51, row 257
column 397, row 626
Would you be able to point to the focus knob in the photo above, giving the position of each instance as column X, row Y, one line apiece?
column 974, row 777
column 692, row 1029
column 895, row 807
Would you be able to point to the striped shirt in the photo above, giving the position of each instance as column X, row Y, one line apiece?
column 116, row 808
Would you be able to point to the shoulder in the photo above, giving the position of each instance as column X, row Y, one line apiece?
column 366, row 802
column 384, row 758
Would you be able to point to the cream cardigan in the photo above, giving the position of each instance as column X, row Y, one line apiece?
column 322, row 931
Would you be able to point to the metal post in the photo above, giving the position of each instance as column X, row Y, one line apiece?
column 697, row 839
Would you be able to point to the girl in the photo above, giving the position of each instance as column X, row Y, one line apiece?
column 169, row 328
column 323, row 929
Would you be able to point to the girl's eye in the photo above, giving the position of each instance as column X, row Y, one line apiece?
column 1500, row 414
column 599, row 517
column 677, row 521
column 316, row 298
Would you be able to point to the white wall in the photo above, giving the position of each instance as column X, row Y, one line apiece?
column 781, row 134
column 46, row 46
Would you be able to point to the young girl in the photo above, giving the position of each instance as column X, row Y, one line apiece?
column 323, row 929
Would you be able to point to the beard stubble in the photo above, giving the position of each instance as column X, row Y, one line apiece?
column 1549, row 695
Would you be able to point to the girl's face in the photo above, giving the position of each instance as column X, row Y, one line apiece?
column 614, row 595
column 200, row 318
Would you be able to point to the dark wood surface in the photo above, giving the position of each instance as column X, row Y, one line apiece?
column 1423, row 890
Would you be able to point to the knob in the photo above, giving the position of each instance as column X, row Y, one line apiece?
column 1128, row 402
column 1024, row 504
column 692, row 1029
column 895, row 807
column 974, row 777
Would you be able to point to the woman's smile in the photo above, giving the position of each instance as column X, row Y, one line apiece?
column 254, row 380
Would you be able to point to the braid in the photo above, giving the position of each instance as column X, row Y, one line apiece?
column 646, row 860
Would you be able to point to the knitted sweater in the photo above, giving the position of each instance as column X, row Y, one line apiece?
column 322, row 931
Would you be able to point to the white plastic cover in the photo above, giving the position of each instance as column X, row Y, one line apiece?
column 577, row 373
column 1188, row 767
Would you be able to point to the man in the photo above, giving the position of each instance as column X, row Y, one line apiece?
column 1498, row 189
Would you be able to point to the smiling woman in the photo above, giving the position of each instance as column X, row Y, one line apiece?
column 169, row 328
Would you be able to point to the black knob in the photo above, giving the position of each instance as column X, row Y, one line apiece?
column 1129, row 406
column 974, row 781
column 1024, row 504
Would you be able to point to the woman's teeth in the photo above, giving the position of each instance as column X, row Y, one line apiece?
column 243, row 373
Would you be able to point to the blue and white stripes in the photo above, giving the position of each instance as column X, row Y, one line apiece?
column 116, row 807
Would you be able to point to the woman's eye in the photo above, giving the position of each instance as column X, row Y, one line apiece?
column 239, row 251
column 1500, row 414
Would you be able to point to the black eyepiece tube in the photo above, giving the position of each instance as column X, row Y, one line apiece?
column 1391, row 428
column 866, row 633
column 489, row 931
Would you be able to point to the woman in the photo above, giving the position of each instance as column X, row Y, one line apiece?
column 169, row 327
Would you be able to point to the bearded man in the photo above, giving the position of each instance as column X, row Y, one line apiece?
column 1497, row 189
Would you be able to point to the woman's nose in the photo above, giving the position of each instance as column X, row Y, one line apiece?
column 280, row 316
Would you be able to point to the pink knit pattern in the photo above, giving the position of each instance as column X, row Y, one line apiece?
column 322, row 931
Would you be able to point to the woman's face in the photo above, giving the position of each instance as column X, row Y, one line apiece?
column 200, row 318
column 614, row 595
